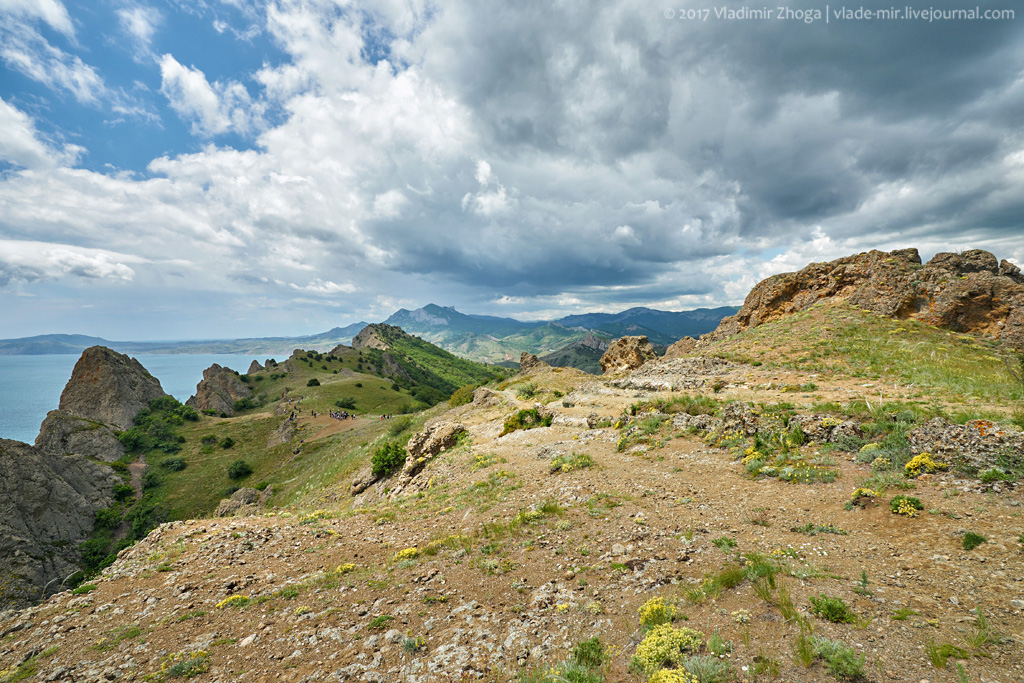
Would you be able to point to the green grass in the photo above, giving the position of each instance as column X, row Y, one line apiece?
column 835, row 338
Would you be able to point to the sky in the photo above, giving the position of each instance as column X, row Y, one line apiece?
column 198, row 169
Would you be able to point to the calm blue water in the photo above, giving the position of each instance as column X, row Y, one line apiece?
column 30, row 386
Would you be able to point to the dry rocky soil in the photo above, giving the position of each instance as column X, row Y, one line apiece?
column 525, row 563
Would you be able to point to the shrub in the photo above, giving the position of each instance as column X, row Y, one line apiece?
column 905, row 505
column 665, row 645
column 186, row 664
column 387, row 458
column 923, row 464
column 245, row 403
column 525, row 419
column 840, row 659
column 227, row 442
column 151, row 480
column 239, row 469
column 346, row 403
column 655, row 612
column 568, row 463
column 589, row 653
column 832, row 609
column 123, row 492
column 973, row 540
column 462, row 395
column 173, row 464
column 314, row 382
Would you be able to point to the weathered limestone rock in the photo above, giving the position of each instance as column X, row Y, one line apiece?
column 680, row 348
column 969, row 292
column 255, row 367
column 47, row 507
column 243, row 501
column 218, row 391
column 627, row 353
column 428, row 443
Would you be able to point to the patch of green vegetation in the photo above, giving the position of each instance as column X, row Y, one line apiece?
column 28, row 668
column 378, row 623
column 839, row 658
column 155, row 427
column 812, row 529
column 832, row 609
column 239, row 469
column 570, row 463
column 525, row 419
column 835, row 338
column 388, row 458
column 972, row 540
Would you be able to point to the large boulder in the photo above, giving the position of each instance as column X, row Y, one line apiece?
column 218, row 391
column 104, row 394
column 627, row 353
column 968, row 292
column 254, row 367
column 47, row 507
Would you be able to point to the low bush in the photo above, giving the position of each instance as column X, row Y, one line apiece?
column 239, row 469
column 387, row 459
column 314, row 382
column 832, row 609
column 173, row 464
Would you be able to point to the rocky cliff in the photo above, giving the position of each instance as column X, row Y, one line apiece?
column 968, row 292
column 47, row 507
column 218, row 391
column 104, row 394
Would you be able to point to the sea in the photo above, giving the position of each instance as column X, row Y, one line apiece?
column 30, row 386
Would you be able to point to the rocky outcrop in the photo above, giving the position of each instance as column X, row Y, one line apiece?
column 421, row 448
column 977, row 444
column 627, row 353
column 368, row 339
column 680, row 348
column 968, row 292
column 244, row 501
column 254, row 367
column 218, row 391
column 529, row 361
column 47, row 506
column 104, row 394
column 109, row 387
column 62, row 432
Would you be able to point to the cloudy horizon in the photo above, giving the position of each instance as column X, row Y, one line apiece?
column 195, row 169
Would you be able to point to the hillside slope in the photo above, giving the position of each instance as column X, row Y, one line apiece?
column 723, row 488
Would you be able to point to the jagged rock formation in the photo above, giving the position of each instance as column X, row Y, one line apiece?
column 47, row 506
column 529, row 361
column 978, row 444
column 368, row 339
column 218, row 391
column 104, row 394
column 626, row 353
column 968, row 292
column 254, row 367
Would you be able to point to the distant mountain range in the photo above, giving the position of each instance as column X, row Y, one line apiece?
column 478, row 337
column 498, row 340
column 76, row 343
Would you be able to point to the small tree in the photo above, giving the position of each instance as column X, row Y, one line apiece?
column 313, row 382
